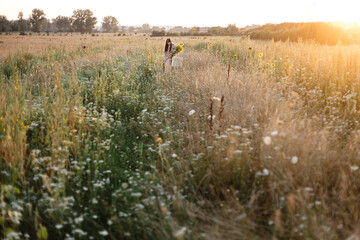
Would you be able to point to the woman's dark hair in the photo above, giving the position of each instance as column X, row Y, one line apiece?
column 166, row 45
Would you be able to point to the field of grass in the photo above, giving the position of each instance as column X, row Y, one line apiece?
column 248, row 140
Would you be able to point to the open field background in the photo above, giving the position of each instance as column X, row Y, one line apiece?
column 249, row 140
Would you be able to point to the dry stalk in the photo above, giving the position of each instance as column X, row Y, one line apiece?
column 211, row 124
column 228, row 73
column 221, row 111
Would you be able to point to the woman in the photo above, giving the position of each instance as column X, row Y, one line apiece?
column 169, row 47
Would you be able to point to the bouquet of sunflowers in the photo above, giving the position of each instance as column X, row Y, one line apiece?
column 178, row 48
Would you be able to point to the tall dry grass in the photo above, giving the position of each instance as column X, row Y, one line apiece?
column 287, row 152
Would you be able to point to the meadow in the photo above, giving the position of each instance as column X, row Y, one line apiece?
column 248, row 140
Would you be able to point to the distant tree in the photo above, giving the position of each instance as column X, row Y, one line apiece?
column 216, row 31
column 157, row 33
column 37, row 19
column 62, row 23
column 3, row 23
column 145, row 27
column 131, row 29
column 232, row 30
column 83, row 20
column 110, row 24
column 22, row 23
column 49, row 26
column 178, row 29
column 13, row 26
column 194, row 30
column 156, row 29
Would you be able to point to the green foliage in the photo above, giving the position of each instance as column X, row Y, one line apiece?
column 63, row 24
column 93, row 177
column 110, row 24
column 3, row 23
column 18, row 64
column 37, row 19
column 42, row 233
column 158, row 33
column 83, row 20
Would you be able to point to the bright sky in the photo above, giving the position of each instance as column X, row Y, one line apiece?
column 195, row 12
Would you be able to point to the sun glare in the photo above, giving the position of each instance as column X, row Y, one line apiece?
column 347, row 25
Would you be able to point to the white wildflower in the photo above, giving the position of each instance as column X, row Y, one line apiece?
column 353, row 237
column 79, row 219
column 294, row 160
column 12, row 235
column 139, row 206
column 80, row 232
column 103, row 233
column 136, row 194
column 354, row 168
column 58, row 226
column 16, row 216
column 191, row 112
column 240, row 217
column 267, row 140
column 274, row 133
column 213, row 117
column 179, row 234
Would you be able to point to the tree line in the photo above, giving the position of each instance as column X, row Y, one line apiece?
column 82, row 20
column 319, row 32
column 230, row 30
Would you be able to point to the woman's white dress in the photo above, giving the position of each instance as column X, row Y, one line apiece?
column 167, row 59
column 177, row 60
